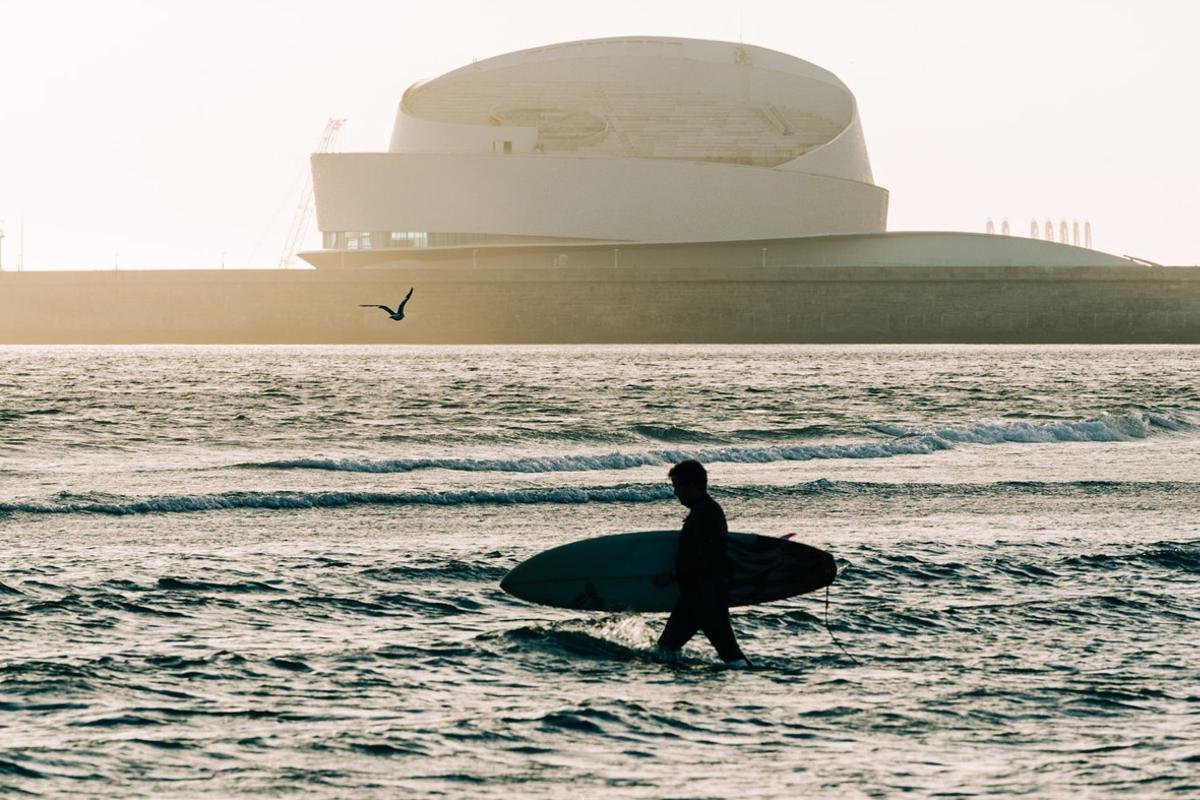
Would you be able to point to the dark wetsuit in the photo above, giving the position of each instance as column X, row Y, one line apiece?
column 702, row 569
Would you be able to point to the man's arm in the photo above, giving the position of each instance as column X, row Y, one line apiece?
column 685, row 558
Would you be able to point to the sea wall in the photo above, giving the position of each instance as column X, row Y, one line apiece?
column 622, row 303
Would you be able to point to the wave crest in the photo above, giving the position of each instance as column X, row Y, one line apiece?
column 616, row 460
column 1105, row 428
column 904, row 441
column 565, row 495
column 625, row 493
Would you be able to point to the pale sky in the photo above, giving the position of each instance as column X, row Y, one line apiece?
column 170, row 133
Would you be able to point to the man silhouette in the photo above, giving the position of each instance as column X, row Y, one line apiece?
column 702, row 570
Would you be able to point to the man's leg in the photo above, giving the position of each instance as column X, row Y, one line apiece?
column 715, row 624
column 682, row 624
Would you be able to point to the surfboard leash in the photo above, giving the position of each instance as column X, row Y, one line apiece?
column 830, row 630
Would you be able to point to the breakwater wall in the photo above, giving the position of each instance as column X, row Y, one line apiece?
column 617, row 303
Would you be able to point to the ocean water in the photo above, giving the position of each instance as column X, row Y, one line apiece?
column 247, row 571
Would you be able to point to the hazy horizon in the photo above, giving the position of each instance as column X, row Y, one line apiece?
column 156, row 135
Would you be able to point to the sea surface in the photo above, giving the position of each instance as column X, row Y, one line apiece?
column 234, row 571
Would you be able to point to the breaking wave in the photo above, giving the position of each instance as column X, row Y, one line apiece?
column 616, row 460
column 627, row 493
column 1106, row 428
column 565, row 495
column 904, row 441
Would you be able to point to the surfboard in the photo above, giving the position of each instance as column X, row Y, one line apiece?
column 616, row 572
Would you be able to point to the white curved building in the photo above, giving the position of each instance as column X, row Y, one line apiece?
column 615, row 140
column 630, row 142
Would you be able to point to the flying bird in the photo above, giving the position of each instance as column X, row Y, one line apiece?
column 398, row 314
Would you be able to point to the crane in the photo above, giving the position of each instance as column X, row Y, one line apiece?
column 303, row 216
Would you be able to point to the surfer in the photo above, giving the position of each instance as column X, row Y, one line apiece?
column 702, row 570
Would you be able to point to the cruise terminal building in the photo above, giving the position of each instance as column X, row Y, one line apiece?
column 626, row 142
column 638, row 189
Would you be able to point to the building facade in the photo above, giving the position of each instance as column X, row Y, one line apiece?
column 609, row 140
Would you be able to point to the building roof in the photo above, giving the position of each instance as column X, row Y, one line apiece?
column 645, row 97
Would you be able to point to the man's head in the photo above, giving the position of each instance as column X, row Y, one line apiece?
column 690, row 482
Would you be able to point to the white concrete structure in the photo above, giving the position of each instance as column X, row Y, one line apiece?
column 623, row 140
column 633, row 143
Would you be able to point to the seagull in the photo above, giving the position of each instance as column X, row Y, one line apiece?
column 398, row 314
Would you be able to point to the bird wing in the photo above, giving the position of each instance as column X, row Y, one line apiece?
column 372, row 305
column 404, row 302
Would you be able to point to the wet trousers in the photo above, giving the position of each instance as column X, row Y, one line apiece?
column 701, row 609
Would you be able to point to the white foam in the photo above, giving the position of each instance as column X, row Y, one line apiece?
column 631, row 493
column 906, row 441
column 618, row 460
column 1106, row 428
